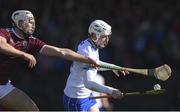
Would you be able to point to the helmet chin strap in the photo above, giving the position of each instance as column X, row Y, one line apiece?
column 26, row 35
column 100, row 47
column 97, row 38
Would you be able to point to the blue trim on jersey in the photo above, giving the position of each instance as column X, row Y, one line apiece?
column 77, row 104
column 88, row 68
column 94, row 46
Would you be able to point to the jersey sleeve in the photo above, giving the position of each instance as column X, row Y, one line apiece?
column 4, row 33
column 36, row 44
column 86, row 51
column 90, row 83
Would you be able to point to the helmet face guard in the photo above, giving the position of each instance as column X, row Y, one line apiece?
column 100, row 28
column 102, row 41
column 21, row 18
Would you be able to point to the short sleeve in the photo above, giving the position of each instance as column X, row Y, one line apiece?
column 4, row 33
column 35, row 44
column 86, row 51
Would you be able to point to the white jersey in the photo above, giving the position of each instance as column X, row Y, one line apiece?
column 100, row 80
column 81, row 76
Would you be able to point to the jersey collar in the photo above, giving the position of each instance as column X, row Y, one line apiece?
column 92, row 43
column 16, row 33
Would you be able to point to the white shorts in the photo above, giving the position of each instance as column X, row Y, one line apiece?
column 6, row 89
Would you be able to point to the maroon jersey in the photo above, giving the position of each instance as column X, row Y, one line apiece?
column 9, row 63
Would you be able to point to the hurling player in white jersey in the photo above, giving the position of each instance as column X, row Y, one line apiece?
column 80, row 82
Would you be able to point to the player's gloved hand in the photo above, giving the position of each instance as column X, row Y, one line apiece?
column 30, row 58
column 116, row 94
column 123, row 72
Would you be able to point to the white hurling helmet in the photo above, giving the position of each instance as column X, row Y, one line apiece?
column 21, row 15
column 99, row 27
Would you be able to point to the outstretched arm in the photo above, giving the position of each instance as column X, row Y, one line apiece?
column 66, row 54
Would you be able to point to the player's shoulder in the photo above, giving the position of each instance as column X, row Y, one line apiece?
column 84, row 44
column 84, row 47
column 2, row 29
column 5, row 32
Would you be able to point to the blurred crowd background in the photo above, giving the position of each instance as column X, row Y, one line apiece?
column 146, row 34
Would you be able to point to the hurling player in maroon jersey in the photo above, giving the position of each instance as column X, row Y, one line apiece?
column 16, row 44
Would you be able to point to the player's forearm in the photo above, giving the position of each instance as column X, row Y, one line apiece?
column 64, row 53
column 98, row 88
column 5, row 48
column 71, row 55
column 88, row 79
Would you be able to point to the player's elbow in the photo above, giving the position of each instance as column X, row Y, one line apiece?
column 55, row 51
column 61, row 52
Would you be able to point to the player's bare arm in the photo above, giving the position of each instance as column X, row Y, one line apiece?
column 65, row 53
column 5, row 48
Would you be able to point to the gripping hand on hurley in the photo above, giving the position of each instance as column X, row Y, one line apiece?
column 116, row 94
